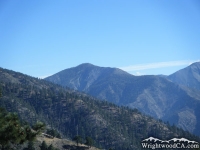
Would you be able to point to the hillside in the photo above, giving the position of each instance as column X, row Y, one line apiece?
column 71, row 112
column 61, row 144
column 154, row 95
column 189, row 76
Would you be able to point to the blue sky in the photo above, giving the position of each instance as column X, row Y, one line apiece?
column 40, row 38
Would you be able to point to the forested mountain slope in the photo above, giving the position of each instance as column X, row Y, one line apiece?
column 154, row 95
column 73, row 113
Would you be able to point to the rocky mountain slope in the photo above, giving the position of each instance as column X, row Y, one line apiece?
column 189, row 76
column 72, row 113
column 154, row 95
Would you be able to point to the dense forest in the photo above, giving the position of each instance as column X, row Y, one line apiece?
column 73, row 113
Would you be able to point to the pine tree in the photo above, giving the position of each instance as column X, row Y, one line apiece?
column 39, row 127
column 31, row 146
column 77, row 139
column 11, row 130
column 51, row 147
column 44, row 146
column 53, row 133
column 89, row 141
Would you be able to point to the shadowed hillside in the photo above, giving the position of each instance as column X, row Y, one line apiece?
column 71, row 112
column 154, row 95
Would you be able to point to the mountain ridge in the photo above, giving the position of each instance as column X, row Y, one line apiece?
column 157, row 96
column 68, row 111
column 189, row 76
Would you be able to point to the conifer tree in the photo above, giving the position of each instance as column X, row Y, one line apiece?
column 53, row 133
column 11, row 130
column 44, row 146
column 31, row 145
column 89, row 141
column 51, row 147
column 77, row 139
column 39, row 127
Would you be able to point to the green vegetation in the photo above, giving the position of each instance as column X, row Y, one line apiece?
column 53, row 133
column 31, row 145
column 44, row 146
column 77, row 139
column 39, row 127
column 51, row 147
column 69, row 112
column 12, row 131
column 89, row 141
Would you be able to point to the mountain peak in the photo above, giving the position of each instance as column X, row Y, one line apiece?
column 88, row 68
column 189, row 76
column 86, row 64
column 84, row 75
column 195, row 63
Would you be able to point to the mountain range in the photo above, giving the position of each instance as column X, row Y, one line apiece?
column 174, row 98
column 74, row 113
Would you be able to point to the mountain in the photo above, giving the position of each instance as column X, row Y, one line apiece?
column 154, row 95
column 86, row 75
column 71, row 113
column 189, row 76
